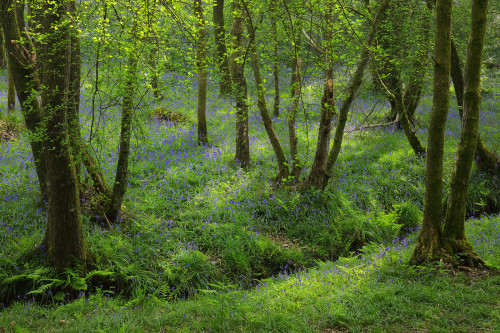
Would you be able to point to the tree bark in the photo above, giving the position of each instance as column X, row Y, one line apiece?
column 201, row 61
column 276, row 71
column 121, row 177
column 220, row 43
column 3, row 60
column 430, row 241
column 292, row 117
column 242, row 156
column 63, row 235
column 454, row 225
column 11, row 91
column 351, row 93
column 283, row 171
column 74, row 131
column 486, row 160
column 23, row 65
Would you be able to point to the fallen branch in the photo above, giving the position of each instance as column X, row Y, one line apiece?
column 371, row 126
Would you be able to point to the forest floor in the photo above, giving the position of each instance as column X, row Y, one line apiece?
column 208, row 246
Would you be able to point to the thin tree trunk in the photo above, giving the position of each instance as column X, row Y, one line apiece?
column 3, row 61
column 276, row 71
column 64, row 235
column 262, row 104
column 25, row 78
column 155, row 85
column 454, row 225
column 11, row 91
column 220, row 43
column 430, row 240
column 351, row 93
column 292, row 117
column 242, row 155
column 486, row 160
column 201, row 61
column 121, row 178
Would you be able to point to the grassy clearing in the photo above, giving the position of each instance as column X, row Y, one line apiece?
column 210, row 246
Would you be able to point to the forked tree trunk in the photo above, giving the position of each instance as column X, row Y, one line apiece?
column 454, row 224
column 26, row 81
column 430, row 241
column 242, row 155
column 283, row 171
column 63, row 235
column 220, row 44
column 201, row 61
column 121, row 178
column 486, row 160
column 351, row 93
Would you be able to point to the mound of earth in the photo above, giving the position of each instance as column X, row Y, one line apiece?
column 9, row 130
column 164, row 114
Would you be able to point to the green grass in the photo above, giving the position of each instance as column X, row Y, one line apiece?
column 375, row 291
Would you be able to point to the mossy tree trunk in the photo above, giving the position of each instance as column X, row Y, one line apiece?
column 430, row 240
column 283, row 170
column 454, row 225
column 201, row 62
column 23, row 67
column 221, row 49
column 486, row 160
column 296, row 88
column 242, row 155
column 63, row 235
column 74, row 97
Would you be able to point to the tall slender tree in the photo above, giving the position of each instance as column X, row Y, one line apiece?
column 242, row 155
column 201, row 62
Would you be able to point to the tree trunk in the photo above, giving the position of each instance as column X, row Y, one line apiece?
column 11, row 91
column 220, row 43
column 276, row 70
column 454, row 225
column 430, row 241
column 155, row 85
column 74, row 98
column 201, row 61
column 25, row 78
column 486, row 160
column 318, row 169
column 242, row 155
column 64, row 235
column 351, row 93
column 3, row 60
column 262, row 104
column 121, row 178
column 292, row 117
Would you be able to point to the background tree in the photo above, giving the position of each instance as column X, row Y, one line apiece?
column 221, row 49
column 242, row 155
column 201, row 62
